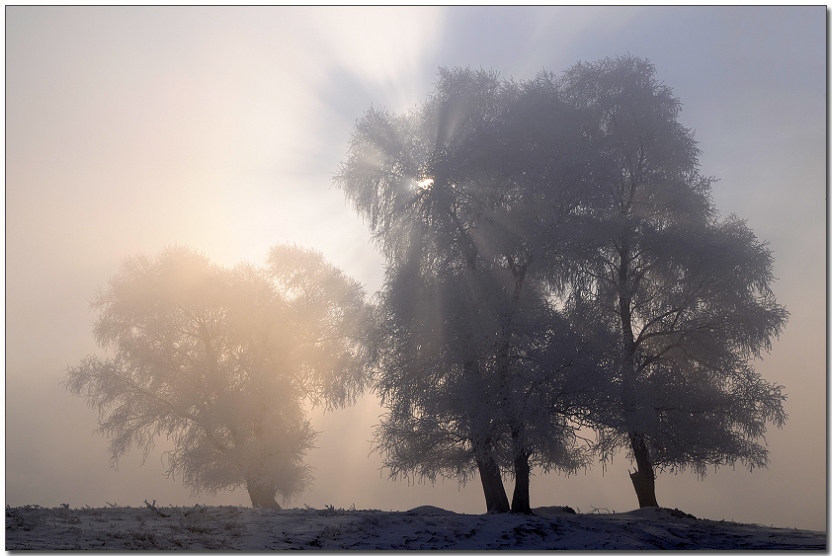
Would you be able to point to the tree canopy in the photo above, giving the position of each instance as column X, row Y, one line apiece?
column 479, row 363
column 220, row 362
column 686, row 294
column 554, row 260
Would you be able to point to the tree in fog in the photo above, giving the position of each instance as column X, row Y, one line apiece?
column 221, row 361
column 478, row 370
column 686, row 295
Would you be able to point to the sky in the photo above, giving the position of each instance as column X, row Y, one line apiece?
column 129, row 129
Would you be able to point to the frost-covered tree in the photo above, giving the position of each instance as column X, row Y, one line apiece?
column 220, row 362
column 685, row 294
column 478, row 369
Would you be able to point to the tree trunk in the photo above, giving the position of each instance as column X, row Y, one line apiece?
column 262, row 497
column 496, row 500
column 520, row 502
column 644, row 478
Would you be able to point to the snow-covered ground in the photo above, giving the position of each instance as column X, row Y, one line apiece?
column 206, row 528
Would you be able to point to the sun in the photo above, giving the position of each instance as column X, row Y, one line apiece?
column 424, row 184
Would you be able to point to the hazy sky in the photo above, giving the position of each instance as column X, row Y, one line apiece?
column 129, row 129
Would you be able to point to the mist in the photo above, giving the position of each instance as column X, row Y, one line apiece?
column 131, row 129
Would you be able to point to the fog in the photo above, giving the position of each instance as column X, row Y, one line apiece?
column 130, row 129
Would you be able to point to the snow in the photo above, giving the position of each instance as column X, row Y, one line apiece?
column 204, row 528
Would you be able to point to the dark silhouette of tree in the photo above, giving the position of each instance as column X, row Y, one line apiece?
column 686, row 295
column 478, row 369
column 220, row 361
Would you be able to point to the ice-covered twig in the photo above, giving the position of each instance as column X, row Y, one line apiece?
column 155, row 509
